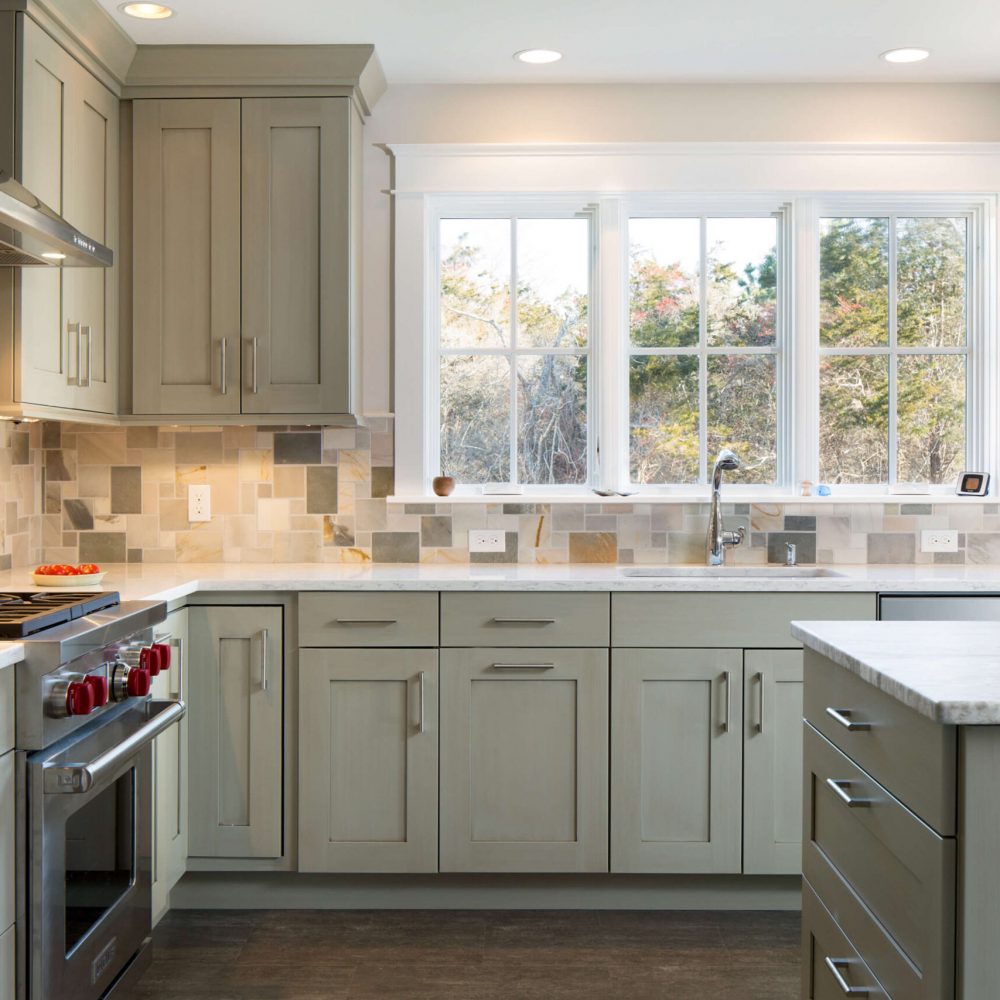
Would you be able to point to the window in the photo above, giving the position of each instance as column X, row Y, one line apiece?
column 894, row 348
column 703, row 347
column 514, row 350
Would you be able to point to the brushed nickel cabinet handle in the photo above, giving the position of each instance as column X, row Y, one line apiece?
column 834, row 965
column 86, row 331
column 727, row 679
column 74, row 328
column 838, row 789
column 524, row 621
column 843, row 716
column 367, row 621
column 423, row 726
column 264, row 636
column 759, row 725
column 223, row 365
column 253, row 364
column 522, row 666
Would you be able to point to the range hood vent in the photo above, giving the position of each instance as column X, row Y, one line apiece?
column 32, row 235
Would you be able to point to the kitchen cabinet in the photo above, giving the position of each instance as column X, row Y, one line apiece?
column 368, row 760
column 772, row 762
column 235, row 763
column 8, row 964
column 170, row 764
column 524, row 760
column 676, row 753
column 66, row 347
column 246, row 234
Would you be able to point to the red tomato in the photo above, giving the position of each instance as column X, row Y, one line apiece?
column 88, row 569
column 62, row 569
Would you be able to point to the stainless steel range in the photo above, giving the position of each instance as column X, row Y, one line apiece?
column 85, row 724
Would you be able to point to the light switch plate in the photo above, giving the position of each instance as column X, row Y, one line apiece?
column 199, row 503
column 938, row 540
column 487, row 541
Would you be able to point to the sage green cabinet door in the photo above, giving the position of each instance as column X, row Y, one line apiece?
column 368, row 760
column 676, row 760
column 524, row 760
column 170, row 764
column 8, row 964
column 186, row 256
column 68, row 336
column 8, row 837
column 297, row 263
column 772, row 762
column 235, row 732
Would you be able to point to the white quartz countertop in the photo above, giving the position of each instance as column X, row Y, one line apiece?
column 177, row 580
column 948, row 671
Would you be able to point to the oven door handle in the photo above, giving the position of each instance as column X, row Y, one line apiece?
column 63, row 779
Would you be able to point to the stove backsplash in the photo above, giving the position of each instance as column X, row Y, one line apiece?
column 73, row 492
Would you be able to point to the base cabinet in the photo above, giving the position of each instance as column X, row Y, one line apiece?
column 368, row 760
column 676, row 753
column 235, row 724
column 170, row 765
column 772, row 762
column 524, row 760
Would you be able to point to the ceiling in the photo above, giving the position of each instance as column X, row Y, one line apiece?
column 472, row 41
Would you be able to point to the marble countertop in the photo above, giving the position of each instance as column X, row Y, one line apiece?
column 920, row 663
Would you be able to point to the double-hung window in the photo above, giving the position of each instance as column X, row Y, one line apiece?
column 894, row 337
column 514, row 349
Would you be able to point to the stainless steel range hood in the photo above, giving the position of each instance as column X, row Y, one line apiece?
column 32, row 235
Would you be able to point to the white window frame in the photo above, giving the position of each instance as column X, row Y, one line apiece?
column 511, row 209
column 814, row 179
column 977, row 349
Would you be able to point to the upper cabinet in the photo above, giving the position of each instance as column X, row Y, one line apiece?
column 246, row 228
column 63, row 341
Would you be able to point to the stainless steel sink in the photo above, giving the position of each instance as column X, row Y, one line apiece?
column 732, row 572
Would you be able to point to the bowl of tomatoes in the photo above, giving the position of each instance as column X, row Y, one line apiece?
column 64, row 575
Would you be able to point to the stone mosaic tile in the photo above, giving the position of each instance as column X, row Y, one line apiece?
column 395, row 547
column 126, row 489
column 321, row 489
column 435, row 532
column 298, row 448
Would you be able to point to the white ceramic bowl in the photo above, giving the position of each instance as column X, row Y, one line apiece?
column 90, row 580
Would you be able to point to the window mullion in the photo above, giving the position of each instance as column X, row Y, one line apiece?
column 513, row 476
column 893, row 443
column 703, row 355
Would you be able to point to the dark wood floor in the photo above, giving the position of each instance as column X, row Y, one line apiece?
column 473, row 955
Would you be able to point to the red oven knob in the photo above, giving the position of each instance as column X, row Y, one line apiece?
column 79, row 698
column 150, row 661
column 164, row 651
column 98, row 685
column 138, row 683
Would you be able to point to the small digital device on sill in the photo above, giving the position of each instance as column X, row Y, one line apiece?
column 973, row 484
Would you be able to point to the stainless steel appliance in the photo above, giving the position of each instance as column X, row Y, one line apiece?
column 85, row 724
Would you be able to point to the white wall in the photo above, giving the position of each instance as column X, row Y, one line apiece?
column 638, row 113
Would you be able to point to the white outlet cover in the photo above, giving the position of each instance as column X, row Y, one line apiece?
column 199, row 503
column 487, row 540
column 938, row 540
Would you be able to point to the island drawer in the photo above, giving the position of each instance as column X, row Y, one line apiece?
column 368, row 619
column 913, row 757
column 524, row 619
column 738, row 620
column 830, row 957
column 887, row 877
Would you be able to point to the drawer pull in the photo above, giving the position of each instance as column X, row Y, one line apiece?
column 727, row 679
column 759, row 726
column 522, row 666
column 423, row 717
column 837, row 787
column 524, row 621
column 834, row 965
column 367, row 621
column 843, row 716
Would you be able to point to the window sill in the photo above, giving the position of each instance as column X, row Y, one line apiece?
column 728, row 496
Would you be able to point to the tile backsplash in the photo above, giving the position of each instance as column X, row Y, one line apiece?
column 74, row 492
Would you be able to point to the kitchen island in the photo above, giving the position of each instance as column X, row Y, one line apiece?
column 901, row 891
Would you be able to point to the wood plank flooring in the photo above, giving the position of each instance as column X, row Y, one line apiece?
column 473, row 955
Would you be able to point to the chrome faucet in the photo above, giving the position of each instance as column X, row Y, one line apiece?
column 719, row 539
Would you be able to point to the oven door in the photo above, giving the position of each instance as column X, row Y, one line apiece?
column 89, row 853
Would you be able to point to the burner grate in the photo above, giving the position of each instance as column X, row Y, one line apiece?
column 24, row 614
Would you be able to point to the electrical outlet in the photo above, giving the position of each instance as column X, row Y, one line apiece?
column 199, row 503
column 938, row 540
column 487, row 541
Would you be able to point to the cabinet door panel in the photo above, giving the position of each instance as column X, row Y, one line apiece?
column 368, row 763
column 8, row 854
column 524, row 778
column 235, row 759
column 296, row 255
column 772, row 762
column 675, row 760
column 186, row 178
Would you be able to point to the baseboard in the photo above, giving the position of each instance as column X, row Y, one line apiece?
column 294, row 891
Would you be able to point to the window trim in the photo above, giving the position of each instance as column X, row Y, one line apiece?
column 907, row 175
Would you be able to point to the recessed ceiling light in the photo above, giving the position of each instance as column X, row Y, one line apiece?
column 906, row 55
column 54, row 256
column 538, row 56
column 147, row 11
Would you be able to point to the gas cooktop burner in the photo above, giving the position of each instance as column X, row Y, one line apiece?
column 23, row 614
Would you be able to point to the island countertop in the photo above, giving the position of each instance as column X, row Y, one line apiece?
column 948, row 671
